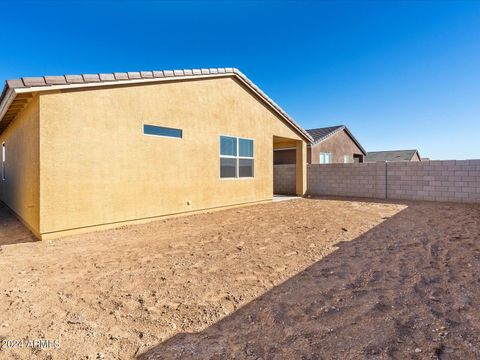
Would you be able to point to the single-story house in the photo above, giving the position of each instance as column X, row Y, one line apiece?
column 334, row 144
column 393, row 155
column 94, row 151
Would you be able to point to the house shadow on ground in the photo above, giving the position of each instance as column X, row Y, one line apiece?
column 12, row 231
column 407, row 289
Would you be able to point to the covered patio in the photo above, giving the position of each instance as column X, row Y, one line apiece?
column 300, row 166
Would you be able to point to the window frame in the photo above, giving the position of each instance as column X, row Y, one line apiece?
column 237, row 158
column 4, row 160
column 329, row 158
column 162, row 136
column 346, row 157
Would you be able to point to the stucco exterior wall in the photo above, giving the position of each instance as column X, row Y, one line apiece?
column 97, row 167
column 338, row 145
column 20, row 189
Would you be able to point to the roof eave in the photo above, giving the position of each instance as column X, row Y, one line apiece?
column 5, row 100
column 8, row 95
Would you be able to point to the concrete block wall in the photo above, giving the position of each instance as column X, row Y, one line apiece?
column 284, row 179
column 451, row 180
column 360, row 180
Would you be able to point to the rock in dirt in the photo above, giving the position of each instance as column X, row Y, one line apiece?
column 80, row 319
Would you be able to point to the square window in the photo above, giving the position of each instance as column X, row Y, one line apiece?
column 325, row 158
column 236, row 157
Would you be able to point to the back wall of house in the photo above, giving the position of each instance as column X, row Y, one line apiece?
column 97, row 167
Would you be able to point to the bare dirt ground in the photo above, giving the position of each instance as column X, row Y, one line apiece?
column 299, row 279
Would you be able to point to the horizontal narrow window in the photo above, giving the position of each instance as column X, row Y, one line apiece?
column 162, row 131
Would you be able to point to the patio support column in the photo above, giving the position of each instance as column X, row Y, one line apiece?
column 301, row 168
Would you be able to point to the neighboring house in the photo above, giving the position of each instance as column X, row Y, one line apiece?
column 334, row 144
column 393, row 155
column 93, row 151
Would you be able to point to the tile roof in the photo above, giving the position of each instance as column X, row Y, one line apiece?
column 31, row 83
column 25, row 82
column 321, row 134
column 393, row 155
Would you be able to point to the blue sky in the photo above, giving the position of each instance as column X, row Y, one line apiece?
column 399, row 74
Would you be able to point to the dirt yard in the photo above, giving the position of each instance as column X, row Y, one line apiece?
column 299, row 279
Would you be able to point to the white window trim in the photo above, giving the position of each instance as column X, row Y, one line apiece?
column 238, row 157
column 346, row 157
column 329, row 158
column 161, row 136
column 4, row 159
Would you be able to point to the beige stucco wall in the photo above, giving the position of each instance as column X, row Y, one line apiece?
column 98, row 168
column 20, row 189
